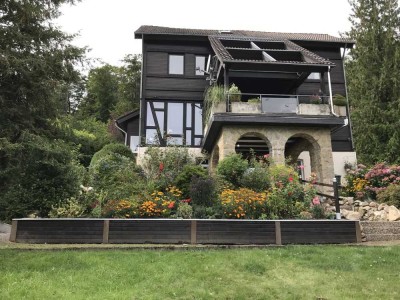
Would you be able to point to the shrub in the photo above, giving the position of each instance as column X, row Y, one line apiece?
column 163, row 164
column 283, row 174
column 390, row 196
column 232, row 168
column 256, row 179
column 119, row 209
column 36, row 173
column 116, row 175
column 112, row 149
column 235, row 95
column 160, row 204
column 184, row 211
column 72, row 208
column 243, row 204
column 189, row 173
column 339, row 100
column 202, row 191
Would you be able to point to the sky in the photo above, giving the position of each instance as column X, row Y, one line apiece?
column 107, row 27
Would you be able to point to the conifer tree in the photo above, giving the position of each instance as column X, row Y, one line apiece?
column 373, row 73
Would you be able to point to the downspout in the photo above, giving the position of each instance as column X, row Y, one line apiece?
column 125, row 133
column 330, row 92
column 347, row 99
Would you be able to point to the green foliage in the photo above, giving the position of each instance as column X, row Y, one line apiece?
column 254, row 101
column 235, row 95
column 339, row 100
column 232, row 168
column 70, row 209
column 283, row 174
column 117, row 176
column 203, row 191
column 391, row 195
column 37, row 66
column 256, row 179
column 184, row 211
column 112, row 91
column 189, row 172
column 36, row 173
column 163, row 164
column 318, row 212
column 374, row 80
column 111, row 149
column 213, row 96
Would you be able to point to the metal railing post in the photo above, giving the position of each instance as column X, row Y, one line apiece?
column 336, row 195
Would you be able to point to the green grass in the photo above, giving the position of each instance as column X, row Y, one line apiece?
column 293, row 272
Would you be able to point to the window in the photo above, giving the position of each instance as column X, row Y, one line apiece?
column 173, row 122
column 314, row 76
column 176, row 64
column 200, row 65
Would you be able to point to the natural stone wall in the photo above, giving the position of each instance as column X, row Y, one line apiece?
column 319, row 144
column 380, row 231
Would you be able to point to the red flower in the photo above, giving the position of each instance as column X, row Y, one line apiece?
column 161, row 168
column 186, row 200
column 290, row 179
column 171, row 205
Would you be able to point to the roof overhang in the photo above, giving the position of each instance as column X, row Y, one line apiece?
column 219, row 120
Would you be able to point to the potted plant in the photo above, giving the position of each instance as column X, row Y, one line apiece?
column 235, row 95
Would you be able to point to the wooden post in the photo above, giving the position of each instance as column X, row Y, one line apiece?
column 106, row 230
column 278, row 235
column 13, row 234
column 193, row 232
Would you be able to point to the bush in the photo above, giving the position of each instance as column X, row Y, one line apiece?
column 184, row 211
column 202, row 191
column 72, row 208
column 163, row 164
column 119, row 209
column 36, row 173
column 111, row 149
column 189, row 173
column 117, row 176
column 232, row 168
column 283, row 174
column 235, row 95
column 390, row 196
column 243, row 204
column 256, row 179
column 339, row 100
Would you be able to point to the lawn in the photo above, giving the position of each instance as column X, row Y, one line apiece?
column 292, row 272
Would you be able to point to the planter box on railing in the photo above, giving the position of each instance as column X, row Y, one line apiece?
column 178, row 231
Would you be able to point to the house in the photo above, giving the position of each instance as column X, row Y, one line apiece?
column 286, row 84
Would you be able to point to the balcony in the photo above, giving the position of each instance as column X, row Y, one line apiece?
column 270, row 109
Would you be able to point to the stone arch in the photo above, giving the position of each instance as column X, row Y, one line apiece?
column 300, row 142
column 252, row 140
column 214, row 159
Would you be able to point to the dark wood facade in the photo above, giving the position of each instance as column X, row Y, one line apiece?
column 158, row 85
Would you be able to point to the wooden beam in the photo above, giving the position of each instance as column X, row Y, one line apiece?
column 13, row 234
column 106, row 231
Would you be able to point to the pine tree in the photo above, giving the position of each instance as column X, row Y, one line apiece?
column 374, row 80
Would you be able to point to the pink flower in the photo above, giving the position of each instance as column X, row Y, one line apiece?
column 316, row 201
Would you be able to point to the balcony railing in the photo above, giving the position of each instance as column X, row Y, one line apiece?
column 279, row 104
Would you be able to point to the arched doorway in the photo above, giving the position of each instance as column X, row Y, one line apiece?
column 252, row 142
column 309, row 148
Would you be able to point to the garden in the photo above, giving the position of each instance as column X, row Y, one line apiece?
column 170, row 184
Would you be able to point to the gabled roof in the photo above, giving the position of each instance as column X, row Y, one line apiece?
column 317, row 37
column 128, row 116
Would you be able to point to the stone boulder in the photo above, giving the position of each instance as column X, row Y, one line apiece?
column 393, row 214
